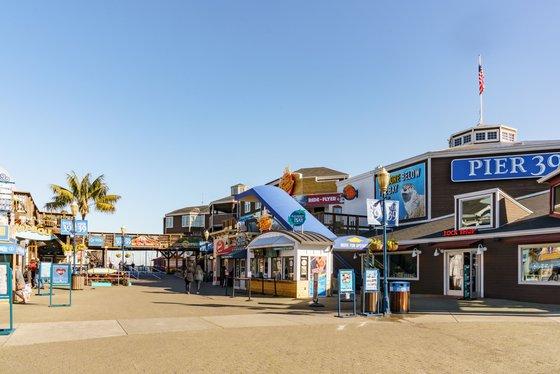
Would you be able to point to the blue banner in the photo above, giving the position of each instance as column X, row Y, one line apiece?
column 67, row 227
column 96, row 241
column 504, row 167
column 407, row 186
column 118, row 240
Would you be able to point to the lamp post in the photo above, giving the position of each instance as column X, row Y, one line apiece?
column 123, row 230
column 383, row 177
column 206, row 234
column 74, row 208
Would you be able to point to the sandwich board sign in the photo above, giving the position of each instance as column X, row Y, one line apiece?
column 61, row 276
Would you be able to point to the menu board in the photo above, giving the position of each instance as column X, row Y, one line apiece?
column 346, row 279
column 372, row 280
column 60, row 274
column 4, row 280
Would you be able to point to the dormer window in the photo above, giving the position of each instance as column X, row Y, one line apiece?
column 457, row 142
column 479, row 136
column 476, row 212
column 492, row 135
column 467, row 139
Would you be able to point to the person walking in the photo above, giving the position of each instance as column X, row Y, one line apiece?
column 198, row 277
column 20, row 286
column 189, row 277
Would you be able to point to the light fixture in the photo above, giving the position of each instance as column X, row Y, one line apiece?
column 416, row 252
column 355, row 256
column 383, row 179
column 74, row 208
column 481, row 249
column 438, row 251
column 123, row 230
column 206, row 235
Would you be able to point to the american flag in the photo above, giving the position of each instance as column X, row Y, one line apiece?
column 480, row 78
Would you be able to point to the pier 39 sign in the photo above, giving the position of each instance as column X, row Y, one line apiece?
column 504, row 167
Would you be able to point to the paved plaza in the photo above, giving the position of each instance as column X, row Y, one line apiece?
column 154, row 322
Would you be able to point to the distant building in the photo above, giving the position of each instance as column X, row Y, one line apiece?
column 190, row 221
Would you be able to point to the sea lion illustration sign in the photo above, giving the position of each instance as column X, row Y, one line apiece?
column 408, row 186
column 60, row 274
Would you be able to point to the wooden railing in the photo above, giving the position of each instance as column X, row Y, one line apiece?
column 344, row 224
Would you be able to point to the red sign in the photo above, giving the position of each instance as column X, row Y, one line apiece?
column 222, row 248
column 459, row 232
column 324, row 199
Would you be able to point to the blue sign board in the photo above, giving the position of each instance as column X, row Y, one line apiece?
column 60, row 275
column 297, row 218
column 408, row 186
column 375, row 215
column 96, row 240
column 504, row 167
column 67, row 227
column 118, row 241
column 346, row 280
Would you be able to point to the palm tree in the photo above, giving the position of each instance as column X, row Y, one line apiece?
column 86, row 193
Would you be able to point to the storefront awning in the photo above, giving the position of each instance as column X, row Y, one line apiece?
column 281, row 205
column 268, row 242
column 286, row 238
column 30, row 235
column 237, row 254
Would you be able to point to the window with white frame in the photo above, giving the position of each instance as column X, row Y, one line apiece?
column 168, row 222
column 457, row 142
column 258, row 205
column 480, row 136
column 247, row 206
column 508, row 136
column 467, row 139
column 539, row 264
column 476, row 212
column 492, row 135
column 185, row 221
column 402, row 265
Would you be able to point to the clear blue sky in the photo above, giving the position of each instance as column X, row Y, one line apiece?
column 173, row 99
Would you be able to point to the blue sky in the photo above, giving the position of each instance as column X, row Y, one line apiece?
column 172, row 100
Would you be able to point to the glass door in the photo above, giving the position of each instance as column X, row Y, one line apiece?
column 454, row 274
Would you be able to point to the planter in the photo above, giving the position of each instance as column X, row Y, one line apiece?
column 78, row 282
column 392, row 246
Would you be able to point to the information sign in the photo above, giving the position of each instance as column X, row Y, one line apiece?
column 372, row 280
column 346, row 280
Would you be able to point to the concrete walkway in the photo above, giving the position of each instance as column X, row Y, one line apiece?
column 51, row 332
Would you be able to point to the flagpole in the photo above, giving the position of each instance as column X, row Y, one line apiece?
column 480, row 93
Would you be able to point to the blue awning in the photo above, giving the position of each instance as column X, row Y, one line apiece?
column 236, row 254
column 281, row 205
column 351, row 243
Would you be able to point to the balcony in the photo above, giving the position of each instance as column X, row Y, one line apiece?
column 344, row 224
column 223, row 220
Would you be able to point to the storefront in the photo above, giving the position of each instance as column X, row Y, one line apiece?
column 284, row 263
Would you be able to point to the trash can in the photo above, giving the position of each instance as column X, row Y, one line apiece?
column 399, row 293
column 371, row 302
column 78, row 282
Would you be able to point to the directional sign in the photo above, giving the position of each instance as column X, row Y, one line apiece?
column 67, row 227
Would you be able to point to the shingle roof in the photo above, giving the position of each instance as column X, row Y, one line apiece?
column 321, row 171
column 202, row 209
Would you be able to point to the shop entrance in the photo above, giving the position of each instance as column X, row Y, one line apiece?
column 456, row 263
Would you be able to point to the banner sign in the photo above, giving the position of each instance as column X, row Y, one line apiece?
column 318, row 265
column 4, row 232
column 4, row 276
column 223, row 247
column 45, row 270
column 346, row 280
column 374, row 215
column 323, row 199
column 67, row 227
column 408, row 186
column 117, row 242
column 60, row 274
column 504, row 167
column 96, row 241
column 372, row 280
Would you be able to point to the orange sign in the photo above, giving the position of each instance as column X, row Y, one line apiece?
column 288, row 181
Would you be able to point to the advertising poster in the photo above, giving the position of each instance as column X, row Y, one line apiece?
column 60, row 274
column 45, row 270
column 318, row 264
column 372, row 280
column 3, row 280
column 346, row 280
column 408, row 186
column 303, row 267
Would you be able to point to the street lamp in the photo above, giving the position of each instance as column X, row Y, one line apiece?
column 383, row 177
column 74, row 208
column 123, row 230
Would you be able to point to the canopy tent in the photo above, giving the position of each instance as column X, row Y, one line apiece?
column 11, row 248
column 281, row 205
column 351, row 243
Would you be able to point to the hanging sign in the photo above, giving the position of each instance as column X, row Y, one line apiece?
column 504, row 167
column 117, row 242
column 297, row 218
column 375, row 216
column 372, row 280
column 346, row 280
column 66, row 227
column 96, row 241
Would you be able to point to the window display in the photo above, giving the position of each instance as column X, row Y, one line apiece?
column 540, row 264
column 401, row 265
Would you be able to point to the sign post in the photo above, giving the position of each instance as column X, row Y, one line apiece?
column 347, row 286
column 61, row 275
column 316, row 302
column 370, row 286
column 6, row 294
column 43, row 277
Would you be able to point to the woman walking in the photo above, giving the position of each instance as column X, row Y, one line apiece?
column 189, row 277
column 198, row 277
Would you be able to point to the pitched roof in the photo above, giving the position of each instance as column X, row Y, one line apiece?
column 321, row 171
column 201, row 209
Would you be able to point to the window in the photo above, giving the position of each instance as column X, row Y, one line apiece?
column 539, row 264
column 184, row 221
column 288, row 268
column 556, row 201
column 457, row 142
column 476, row 212
column 247, row 206
column 467, row 139
column 508, row 136
column 168, row 222
column 480, row 136
column 258, row 205
column 337, row 209
column 401, row 265
column 492, row 135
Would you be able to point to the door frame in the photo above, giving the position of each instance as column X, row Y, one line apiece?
column 480, row 278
